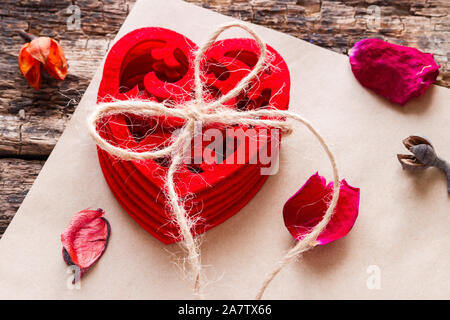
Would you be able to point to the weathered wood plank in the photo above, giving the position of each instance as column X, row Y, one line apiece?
column 16, row 178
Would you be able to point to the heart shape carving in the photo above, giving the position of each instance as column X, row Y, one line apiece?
column 157, row 64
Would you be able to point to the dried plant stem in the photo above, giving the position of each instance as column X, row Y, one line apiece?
column 445, row 167
column 28, row 37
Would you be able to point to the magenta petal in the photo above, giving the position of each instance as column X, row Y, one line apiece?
column 396, row 72
column 85, row 238
column 308, row 205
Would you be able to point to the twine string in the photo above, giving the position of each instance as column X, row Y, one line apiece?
column 208, row 113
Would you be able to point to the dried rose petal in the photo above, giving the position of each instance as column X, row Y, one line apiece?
column 43, row 50
column 56, row 64
column 396, row 72
column 308, row 205
column 30, row 67
column 85, row 238
column 39, row 48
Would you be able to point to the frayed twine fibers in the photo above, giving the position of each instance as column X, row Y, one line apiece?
column 207, row 113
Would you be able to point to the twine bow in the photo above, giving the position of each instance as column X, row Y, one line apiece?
column 207, row 113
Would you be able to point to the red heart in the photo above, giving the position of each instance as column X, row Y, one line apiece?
column 156, row 63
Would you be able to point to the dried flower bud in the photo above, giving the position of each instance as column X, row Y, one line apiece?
column 45, row 51
column 423, row 153
column 423, row 156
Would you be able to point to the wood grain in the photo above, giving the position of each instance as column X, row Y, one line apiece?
column 32, row 121
column 16, row 178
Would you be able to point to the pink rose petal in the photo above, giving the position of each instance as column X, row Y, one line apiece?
column 85, row 238
column 396, row 72
column 308, row 205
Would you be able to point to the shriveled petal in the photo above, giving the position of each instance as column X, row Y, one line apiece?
column 396, row 72
column 39, row 48
column 308, row 205
column 56, row 63
column 30, row 67
column 86, row 237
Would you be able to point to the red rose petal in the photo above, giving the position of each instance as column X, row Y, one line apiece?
column 85, row 238
column 396, row 72
column 308, row 205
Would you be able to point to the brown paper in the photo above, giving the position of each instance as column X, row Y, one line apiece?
column 401, row 236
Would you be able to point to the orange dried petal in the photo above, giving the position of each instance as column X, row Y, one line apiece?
column 26, row 61
column 56, row 64
column 39, row 49
column 30, row 67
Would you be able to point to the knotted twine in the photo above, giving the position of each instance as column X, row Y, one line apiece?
column 209, row 112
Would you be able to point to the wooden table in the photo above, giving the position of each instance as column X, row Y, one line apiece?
column 31, row 121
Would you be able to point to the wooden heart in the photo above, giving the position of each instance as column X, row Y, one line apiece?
column 156, row 63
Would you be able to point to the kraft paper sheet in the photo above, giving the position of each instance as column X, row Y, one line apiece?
column 401, row 236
